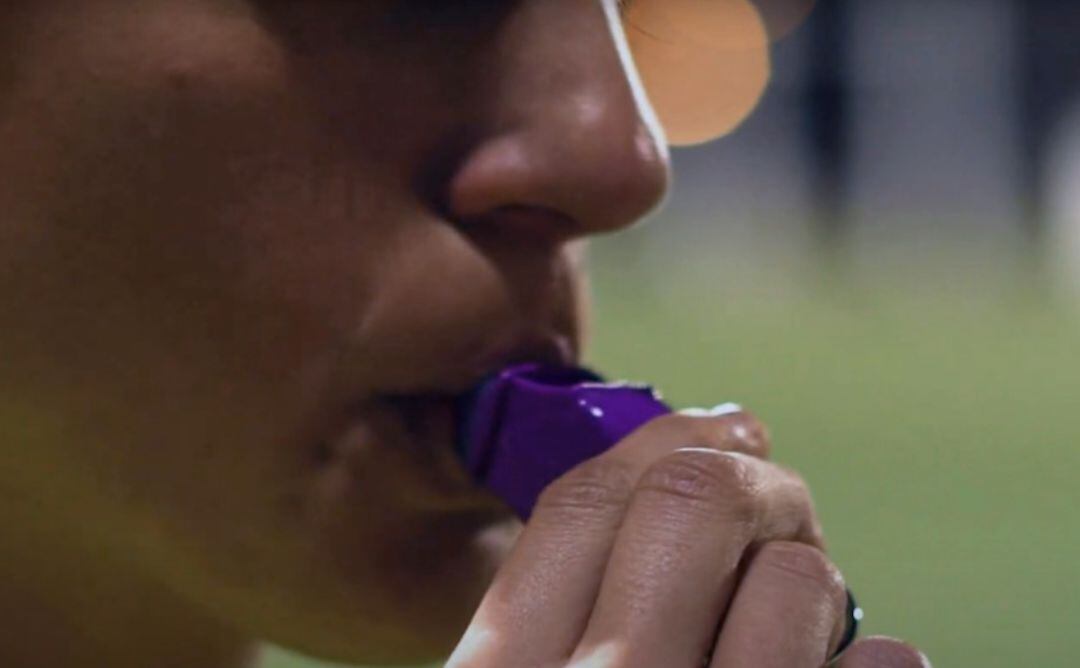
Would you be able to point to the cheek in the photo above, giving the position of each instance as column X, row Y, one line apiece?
column 192, row 251
column 175, row 178
column 180, row 137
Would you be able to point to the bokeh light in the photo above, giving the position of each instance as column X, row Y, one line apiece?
column 704, row 63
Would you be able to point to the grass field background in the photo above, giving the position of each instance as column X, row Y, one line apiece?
column 934, row 408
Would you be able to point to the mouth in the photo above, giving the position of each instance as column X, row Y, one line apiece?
column 450, row 402
column 419, row 424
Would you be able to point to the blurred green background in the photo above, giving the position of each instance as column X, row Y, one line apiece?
column 932, row 402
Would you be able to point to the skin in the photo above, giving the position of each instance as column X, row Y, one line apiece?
column 233, row 244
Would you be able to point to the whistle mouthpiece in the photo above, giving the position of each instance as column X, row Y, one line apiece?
column 529, row 424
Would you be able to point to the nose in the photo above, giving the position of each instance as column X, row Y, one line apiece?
column 570, row 147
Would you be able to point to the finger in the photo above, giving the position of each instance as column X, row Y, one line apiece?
column 539, row 604
column 880, row 652
column 673, row 567
column 789, row 611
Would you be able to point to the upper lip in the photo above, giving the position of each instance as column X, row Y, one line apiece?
column 463, row 374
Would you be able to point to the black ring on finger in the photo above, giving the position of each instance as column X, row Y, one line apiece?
column 852, row 618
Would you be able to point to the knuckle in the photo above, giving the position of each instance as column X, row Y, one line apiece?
column 801, row 501
column 804, row 498
column 884, row 653
column 598, row 485
column 805, row 565
column 795, row 481
column 717, row 481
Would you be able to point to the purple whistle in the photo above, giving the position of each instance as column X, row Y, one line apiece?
column 530, row 424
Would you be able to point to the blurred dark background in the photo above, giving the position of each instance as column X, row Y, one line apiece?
column 884, row 118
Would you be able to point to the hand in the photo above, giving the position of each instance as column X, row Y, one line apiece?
column 657, row 554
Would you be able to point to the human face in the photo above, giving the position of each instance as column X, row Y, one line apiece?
column 249, row 249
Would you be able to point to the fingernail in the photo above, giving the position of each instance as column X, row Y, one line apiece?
column 725, row 409
column 716, row 411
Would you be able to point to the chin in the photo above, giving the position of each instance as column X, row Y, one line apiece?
column 378, row 552
column 407, row 603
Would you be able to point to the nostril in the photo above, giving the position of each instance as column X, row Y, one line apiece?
column 495, row 174
column 538, row 225
column 545, row 184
